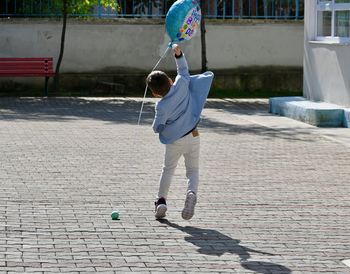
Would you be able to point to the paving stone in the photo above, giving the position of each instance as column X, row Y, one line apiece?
column 273, row 195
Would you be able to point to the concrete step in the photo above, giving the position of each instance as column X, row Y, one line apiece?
column 319, row 114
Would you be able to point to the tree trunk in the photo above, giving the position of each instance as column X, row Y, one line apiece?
column 63, row 37
column 203, row 31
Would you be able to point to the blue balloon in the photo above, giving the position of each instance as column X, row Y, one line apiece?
column 183, row 20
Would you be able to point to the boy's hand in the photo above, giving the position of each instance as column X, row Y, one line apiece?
column 177, row 50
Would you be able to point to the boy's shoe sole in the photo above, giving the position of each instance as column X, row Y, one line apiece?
column 190, row 203
column 160, row 211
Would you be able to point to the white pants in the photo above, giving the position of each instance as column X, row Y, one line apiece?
column 187, row 146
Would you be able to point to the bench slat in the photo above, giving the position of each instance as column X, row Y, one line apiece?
column 25, row 59
column 29, row 68
column 28, row 75
column 24, row 68
column 25, row 72
column 24, row 65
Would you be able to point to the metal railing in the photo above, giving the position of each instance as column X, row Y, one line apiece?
column 220, row 9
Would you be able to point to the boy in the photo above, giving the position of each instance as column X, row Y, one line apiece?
column 177, row 115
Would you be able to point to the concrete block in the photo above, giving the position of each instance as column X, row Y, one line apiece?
column 346, row 122
column 276, row 104
column 315, row 113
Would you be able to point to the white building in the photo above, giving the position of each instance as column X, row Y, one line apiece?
column 327, row 51
column 326, row 90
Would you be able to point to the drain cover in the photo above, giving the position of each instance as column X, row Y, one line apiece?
column 347, row 262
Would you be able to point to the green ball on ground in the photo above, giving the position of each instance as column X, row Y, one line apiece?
column 115, row 215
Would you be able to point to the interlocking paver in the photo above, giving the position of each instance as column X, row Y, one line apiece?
column 273, row 197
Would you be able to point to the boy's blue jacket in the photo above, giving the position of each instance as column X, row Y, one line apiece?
column 179, row 111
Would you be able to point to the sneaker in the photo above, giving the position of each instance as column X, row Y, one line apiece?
column 190, row 203
column 160, row 208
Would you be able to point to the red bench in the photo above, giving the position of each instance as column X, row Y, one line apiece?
column 27, row 67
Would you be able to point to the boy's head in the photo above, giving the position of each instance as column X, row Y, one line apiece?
column 159, row 83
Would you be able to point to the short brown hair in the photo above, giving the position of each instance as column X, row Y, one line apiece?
column 159, row 82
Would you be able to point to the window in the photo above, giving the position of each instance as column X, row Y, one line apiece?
column 333, row 21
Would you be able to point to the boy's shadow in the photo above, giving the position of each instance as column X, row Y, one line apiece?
column 212, row 242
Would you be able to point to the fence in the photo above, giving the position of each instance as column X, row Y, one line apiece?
column 220, row 9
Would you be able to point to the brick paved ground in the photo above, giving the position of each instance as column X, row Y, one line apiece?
column 274, row 193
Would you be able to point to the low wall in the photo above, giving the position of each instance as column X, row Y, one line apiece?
column 132, row 47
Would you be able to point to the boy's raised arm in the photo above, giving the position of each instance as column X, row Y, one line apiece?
column 181, row 63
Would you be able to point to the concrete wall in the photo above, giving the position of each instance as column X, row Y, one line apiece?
column 326, row 66
column 245, row 55
column 102, row 46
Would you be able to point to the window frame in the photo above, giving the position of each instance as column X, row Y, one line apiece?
column 332, row 7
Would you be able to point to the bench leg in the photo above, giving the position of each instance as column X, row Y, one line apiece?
column 46, row 86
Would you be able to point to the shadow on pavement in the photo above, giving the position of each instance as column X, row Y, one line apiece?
column 265, row 267
column 250, row 107
column 126, row 111
column 214, row 243
column 255, row 129
column 239, row 105
column 64, row 109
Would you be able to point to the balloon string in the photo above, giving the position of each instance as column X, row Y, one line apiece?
column 144, row 95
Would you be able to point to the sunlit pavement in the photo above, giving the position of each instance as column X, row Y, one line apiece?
column 273, row 197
